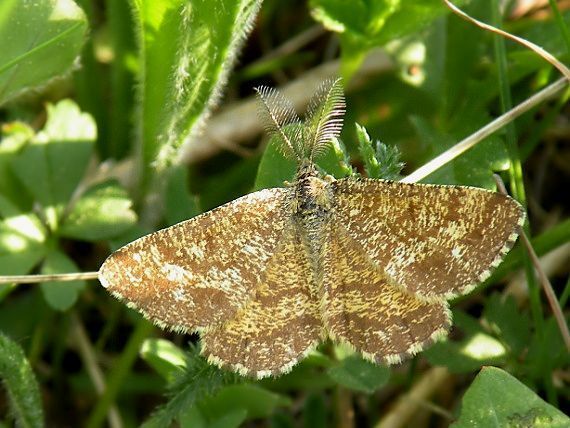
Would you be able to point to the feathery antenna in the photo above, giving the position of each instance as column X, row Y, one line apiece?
column 277, row 112
column 324, row 117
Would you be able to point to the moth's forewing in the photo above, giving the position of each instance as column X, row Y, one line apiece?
column 435, row 241
column 198, row 273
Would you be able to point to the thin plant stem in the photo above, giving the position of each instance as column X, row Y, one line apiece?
column 89, row 359
column 434, row 408
column 515, row 167
column 472, row 140
column 544, row 54
column 565, row 294
column 407, row 404
column 544, row 281
column 292, row 45
column 119, row 372
column 344, row 409
column 33, row 279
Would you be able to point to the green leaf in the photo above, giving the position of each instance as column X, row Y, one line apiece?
column 462, row 98
column 20, row 384
column 231, row 406
column 194, row 418
column 52, row 165
column 103, row 212
column 511, row 325
column 187, row 51
column 109, row 96
column 164, row 356
column 60, row 295
column 475, row 349
column 363, row 24
column 283, row 420
column 356, row 373
column 335, row 160
column 232, row 419
column 180, row 204
column 228, row 184
column 274, row 168
column 191, row 417
column 40, row 40
column 546, row 351
column 130, row 235
column 22, row 240
column 308, row 375
column 257, row 401
column 497, row 399
column 452, row 68
column 14, row 137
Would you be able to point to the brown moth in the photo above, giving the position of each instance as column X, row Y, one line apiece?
column 267, row 277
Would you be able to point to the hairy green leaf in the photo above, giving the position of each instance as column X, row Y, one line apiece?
column 381, row 161
column 198, row 381
column 187, row 51
column 22, row 390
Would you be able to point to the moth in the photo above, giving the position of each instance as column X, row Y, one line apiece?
column 369, row 263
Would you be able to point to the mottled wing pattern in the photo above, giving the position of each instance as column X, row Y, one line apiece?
column 436, row 241
column 280, row 325
column 363, row 308
column 199, row 272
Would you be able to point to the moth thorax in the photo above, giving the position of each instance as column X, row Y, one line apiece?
column 313, row 211
column 313, row 197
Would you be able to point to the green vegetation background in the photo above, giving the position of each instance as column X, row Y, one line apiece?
column 111, row 114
